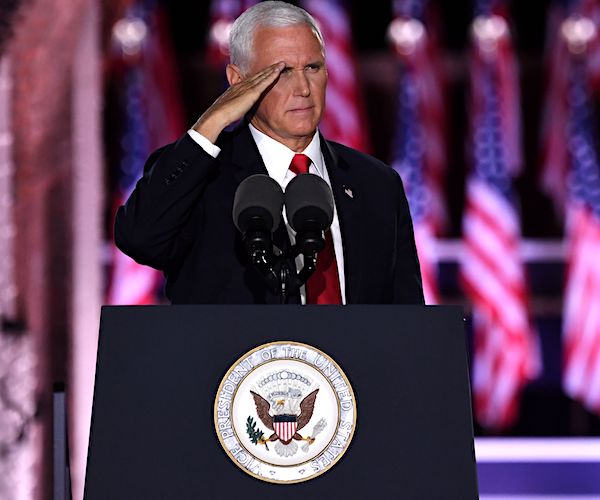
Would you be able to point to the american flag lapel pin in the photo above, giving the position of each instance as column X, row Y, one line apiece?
column 348, row 192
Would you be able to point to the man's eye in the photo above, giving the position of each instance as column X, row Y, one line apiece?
column 286, row 71
column 313, row 68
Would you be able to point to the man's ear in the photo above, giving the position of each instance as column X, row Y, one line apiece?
column 234, row 75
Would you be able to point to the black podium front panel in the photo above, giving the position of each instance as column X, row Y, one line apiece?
column 159, row 368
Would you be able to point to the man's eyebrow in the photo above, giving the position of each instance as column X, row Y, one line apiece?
column 319, row 64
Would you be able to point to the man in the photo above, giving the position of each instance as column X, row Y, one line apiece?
column 178, row 219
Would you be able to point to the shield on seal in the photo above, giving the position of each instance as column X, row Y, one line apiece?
column 285, row 426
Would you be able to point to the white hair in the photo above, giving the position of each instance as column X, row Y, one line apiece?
column 269, row 13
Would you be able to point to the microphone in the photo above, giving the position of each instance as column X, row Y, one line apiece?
column 309, row 209
column 257, row 207
column 257, row 213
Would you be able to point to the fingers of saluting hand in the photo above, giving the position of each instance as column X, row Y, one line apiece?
column 236, row 101
column 270, row 72
column 250, row 89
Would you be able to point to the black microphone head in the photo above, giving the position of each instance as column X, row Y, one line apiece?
column 259, row 199
column 308, row 203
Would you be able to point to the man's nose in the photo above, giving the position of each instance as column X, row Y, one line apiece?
column 301, row 84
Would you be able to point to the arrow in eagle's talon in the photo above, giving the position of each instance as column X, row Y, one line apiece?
column 310, row 440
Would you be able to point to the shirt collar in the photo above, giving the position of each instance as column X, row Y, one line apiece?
column 277, row 157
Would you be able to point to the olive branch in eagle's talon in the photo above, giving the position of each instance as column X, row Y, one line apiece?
column 256, row 435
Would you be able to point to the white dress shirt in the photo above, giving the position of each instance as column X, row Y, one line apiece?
column 277, row 158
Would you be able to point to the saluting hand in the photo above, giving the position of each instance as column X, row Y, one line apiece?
column 236, row 101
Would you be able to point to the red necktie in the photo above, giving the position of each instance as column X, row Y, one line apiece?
column 323, row 286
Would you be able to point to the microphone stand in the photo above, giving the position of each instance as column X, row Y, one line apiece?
column 260, row 248
column 308, row 243
column 284, row 275
column 277, row 271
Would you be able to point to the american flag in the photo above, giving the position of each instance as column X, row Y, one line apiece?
column 222, row 14
column 493, row 276
column 581, row 328
column 423, row 60
column 344, row 118
column 554, row 161
column 418, row 144
column 584, row 17
column 590, row 9
column 152, row 116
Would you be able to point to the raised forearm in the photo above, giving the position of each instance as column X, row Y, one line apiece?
column 148, row 226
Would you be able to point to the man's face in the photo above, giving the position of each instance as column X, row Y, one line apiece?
column 291, row 109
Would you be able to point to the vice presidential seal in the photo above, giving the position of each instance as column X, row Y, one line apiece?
column 285, row 412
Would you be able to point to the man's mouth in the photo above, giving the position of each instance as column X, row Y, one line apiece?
column 302, row 110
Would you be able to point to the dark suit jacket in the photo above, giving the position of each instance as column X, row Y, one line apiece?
column 178, row 220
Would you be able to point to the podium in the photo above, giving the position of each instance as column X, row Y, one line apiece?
column 159, row 369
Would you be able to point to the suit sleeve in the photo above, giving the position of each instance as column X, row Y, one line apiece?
column 407, row 286
column 148, row 227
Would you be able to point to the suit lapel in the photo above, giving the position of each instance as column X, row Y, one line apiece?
column 247, row 161
column 245, row 156
column 347, row 201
